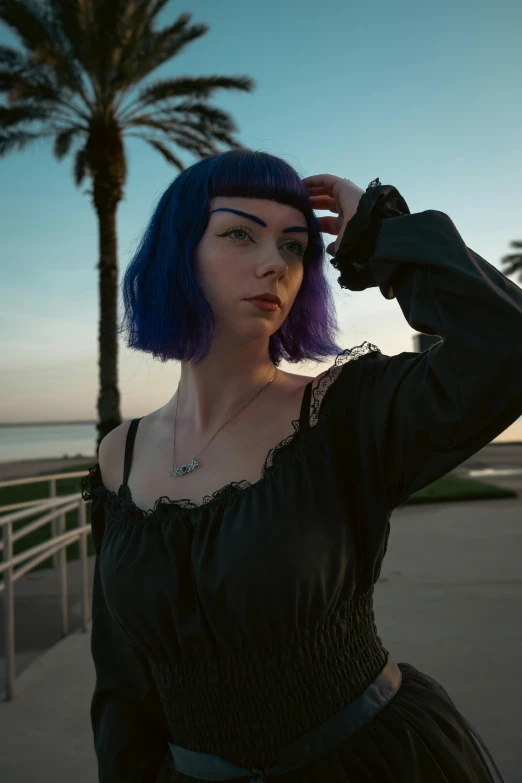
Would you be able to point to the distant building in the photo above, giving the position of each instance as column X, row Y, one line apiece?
column 421, row 342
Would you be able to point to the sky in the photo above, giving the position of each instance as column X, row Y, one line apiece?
column 425, row 97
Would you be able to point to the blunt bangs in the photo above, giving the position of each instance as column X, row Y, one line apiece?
column 165, row 310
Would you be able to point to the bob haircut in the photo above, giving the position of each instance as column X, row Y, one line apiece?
column 165, row 310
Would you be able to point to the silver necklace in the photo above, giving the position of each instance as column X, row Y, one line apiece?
column 193, row 464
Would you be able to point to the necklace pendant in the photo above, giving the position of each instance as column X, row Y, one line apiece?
column 184, row 468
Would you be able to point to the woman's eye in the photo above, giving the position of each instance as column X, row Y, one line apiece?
column 300, row 247
column 237, row 231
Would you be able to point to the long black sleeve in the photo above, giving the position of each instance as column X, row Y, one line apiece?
column 129, row 728
column 416, row 416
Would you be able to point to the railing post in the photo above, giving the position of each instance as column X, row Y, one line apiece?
column 62, row 559
column 85, row 569
column 9, row 624
column 52, row 494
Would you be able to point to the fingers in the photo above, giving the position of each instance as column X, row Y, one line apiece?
column 325, row 202
column 324, row 181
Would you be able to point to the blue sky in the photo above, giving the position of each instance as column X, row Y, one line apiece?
column 425, row 97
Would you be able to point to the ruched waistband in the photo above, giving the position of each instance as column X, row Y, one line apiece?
column 309, row 746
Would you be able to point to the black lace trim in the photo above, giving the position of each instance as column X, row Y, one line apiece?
column 87, row 483
column 93, row 488
column 360, row 235
column 326, row 379
column 269, row 461
column 184, row 502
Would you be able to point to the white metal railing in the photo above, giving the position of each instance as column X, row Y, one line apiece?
column 53, row 510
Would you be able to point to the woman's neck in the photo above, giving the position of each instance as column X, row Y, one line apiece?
column 211, row 393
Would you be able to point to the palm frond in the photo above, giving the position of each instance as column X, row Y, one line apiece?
column 14, row 65
column 27, row 19
column 76, row 20
column 148, row 49
column 64, row 139
column 513, row 261
column 117, row 46
column 198, row 145
column 36, row 25
column 150, row 121
column 167, row 154
column 209, row 115
column 11, row 140
column 35, row 86
column 155, row 7
column 12, row 59
column 196, row 87
column 81, row 166
column 13, row 115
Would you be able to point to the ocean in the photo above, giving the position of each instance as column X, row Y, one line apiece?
column 42, row 441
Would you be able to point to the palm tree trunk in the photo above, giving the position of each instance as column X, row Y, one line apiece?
column 109, row 396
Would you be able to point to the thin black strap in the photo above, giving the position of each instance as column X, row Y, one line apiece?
column 304, row 416
column 129, row 445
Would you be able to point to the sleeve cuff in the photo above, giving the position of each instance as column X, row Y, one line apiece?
column 360, row 234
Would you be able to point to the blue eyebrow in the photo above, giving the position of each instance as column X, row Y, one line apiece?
column 258, row 220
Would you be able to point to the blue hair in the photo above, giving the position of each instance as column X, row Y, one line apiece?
column 166, row 312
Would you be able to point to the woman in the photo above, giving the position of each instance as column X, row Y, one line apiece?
column 233, row 631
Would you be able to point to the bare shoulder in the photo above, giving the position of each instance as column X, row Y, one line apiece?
column 300, row 381
column 296, row 380
column 315, row 378
column 111, row 456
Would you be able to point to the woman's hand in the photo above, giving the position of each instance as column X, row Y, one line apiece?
column 339, row 195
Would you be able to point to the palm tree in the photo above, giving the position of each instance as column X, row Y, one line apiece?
column 82, row 58
column 513, row 261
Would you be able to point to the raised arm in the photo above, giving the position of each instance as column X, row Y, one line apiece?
column 425, row 413
column 406, row 420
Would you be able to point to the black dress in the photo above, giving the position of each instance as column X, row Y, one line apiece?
column 234, row 627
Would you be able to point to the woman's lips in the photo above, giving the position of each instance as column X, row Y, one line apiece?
column 264, row 304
